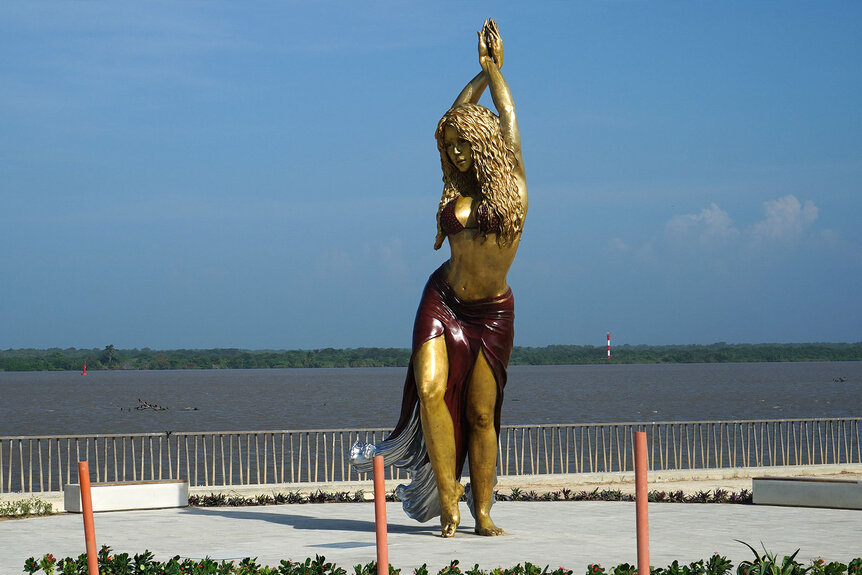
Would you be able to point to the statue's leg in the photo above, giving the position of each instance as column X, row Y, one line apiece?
column 431, row 371
column 481, row 403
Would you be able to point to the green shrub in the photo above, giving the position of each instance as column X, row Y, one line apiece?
column 717, row 496
column 25, row 508
column 769, row 564
column 715, row 565
column 144, row 564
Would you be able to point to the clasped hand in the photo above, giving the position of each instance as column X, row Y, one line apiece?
column 490, row 44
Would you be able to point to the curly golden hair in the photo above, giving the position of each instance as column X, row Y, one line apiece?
column 492, row 174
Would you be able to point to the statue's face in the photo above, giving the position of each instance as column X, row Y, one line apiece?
column 457, row 149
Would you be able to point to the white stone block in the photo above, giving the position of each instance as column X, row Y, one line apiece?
column 123, row 496
column 807, row 492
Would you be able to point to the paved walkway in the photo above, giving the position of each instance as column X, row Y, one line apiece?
column 571, row 534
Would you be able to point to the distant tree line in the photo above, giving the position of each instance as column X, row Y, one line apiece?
column 720, row 352
column 111, row 358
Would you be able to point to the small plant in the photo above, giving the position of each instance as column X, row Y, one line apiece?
column 47, row 563
column 371, row 569
column 820, row 567
column 624, row 569
column 701, row 497
column 720, row 496
column 769, row 564
column 452, row 569
column 26, row 508
column 69, row 566
column 718, row 565
column 745, row 496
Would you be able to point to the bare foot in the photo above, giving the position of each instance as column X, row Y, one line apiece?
column 484, row 526
column 450, row 516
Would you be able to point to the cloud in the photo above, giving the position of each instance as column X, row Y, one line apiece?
column 786, row 219
column 712, row 225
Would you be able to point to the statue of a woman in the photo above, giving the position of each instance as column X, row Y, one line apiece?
column 462, row 336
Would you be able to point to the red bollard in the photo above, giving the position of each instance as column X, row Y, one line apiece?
column 380, row 516
column 87, row 509
column 641, row 502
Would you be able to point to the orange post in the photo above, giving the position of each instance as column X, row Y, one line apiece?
column 641, row 502
column 380, row 516
column 87, row 509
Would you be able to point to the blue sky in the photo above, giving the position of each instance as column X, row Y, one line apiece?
column 264, row 175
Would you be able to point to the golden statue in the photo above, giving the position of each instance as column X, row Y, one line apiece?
column 462, row 336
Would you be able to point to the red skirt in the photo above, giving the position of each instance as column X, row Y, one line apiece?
column 469, row 327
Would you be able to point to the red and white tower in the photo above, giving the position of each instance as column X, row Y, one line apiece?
column 609, row 345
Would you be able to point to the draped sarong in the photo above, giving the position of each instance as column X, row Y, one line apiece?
column 469, row 327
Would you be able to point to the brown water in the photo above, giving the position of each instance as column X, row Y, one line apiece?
column 54, row 403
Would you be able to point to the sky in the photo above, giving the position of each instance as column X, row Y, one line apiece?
column 264, row 175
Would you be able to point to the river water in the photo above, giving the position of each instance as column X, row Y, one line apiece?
column 59, row 403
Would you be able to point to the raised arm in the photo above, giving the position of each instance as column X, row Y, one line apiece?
column 490, row 45
column 472, row 91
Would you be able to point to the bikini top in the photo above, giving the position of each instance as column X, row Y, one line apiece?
column 450, row 224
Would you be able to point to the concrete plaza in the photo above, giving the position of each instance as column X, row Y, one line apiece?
column 570, row 534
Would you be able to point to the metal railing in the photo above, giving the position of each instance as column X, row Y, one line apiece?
column 218, row 459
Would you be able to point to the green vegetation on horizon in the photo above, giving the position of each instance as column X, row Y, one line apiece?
column 111, row 358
